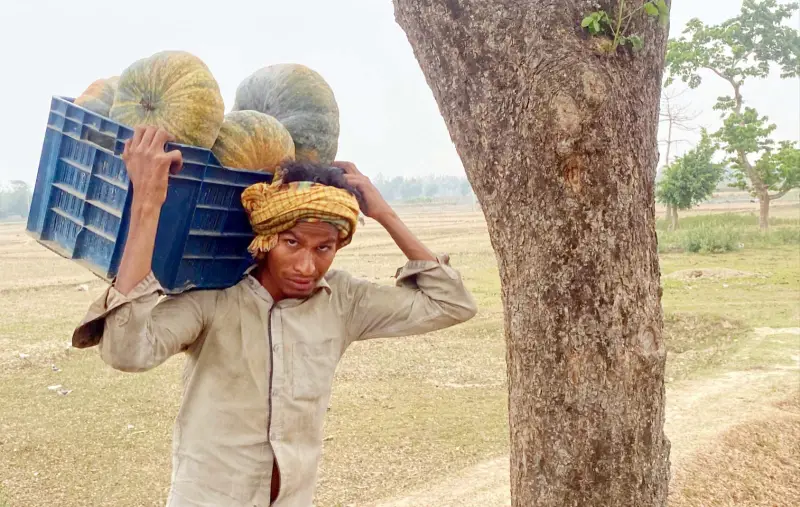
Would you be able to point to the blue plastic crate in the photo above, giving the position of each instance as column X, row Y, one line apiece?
column 81, row 205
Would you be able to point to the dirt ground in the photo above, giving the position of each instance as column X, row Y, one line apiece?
column 699, row 414
column 418, row 421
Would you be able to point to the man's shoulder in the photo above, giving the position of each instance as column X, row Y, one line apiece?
column 210, row 294
column 344, row 285
column 338, row 277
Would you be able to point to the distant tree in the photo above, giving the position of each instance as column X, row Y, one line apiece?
column 465, row 189
column 384, row 186
column 691, row 179
column 431, row 188
column 389, row 188
column 677, row 116
column 774, row 173
column 15, row 201
column 740, row 48
column 380, row 181
column 411, row 189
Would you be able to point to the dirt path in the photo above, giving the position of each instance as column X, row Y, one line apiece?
column 697, row 413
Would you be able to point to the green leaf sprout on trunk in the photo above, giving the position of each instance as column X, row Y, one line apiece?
column 615, row 27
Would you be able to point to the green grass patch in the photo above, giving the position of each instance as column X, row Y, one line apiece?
column 728, row 219
column 726, row 232
column 771, row 297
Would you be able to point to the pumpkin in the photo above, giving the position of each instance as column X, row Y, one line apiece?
column 302, row 101
column 254, row 141
column 99, row 96
column 173, row 90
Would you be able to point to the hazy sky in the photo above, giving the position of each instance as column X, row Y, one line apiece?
column 390, row 122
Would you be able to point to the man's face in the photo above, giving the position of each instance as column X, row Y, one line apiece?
column 300, row 259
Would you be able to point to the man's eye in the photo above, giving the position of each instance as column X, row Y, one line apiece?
column 291, row 242
column 324, row 248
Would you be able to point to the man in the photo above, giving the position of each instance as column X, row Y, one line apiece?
column 261, row 355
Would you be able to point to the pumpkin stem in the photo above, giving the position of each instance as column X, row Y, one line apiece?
column 147, row 105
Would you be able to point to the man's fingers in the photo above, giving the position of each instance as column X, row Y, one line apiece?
column 126, row 150
column 355, row 180
column 347, row 167
column 147, row 138
column 138, row 133
column 175, row 161
column 161, row 138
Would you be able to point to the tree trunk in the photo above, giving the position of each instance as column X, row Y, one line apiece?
column 560, row 144
column 761, row 190
column 674, row 218
column 763, row 208
column 668, row 215
column 669, row 142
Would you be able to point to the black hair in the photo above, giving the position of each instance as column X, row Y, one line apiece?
column 292, row 171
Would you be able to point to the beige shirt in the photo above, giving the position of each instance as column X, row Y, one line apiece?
column 258, row 375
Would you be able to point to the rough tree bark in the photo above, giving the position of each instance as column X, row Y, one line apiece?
column 560, row 144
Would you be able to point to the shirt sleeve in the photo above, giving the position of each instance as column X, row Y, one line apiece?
column 138, row 332
column 428, row 296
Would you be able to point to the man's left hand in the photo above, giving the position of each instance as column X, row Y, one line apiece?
column 377, row 207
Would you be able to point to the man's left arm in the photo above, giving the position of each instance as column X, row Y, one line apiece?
column 429, row 294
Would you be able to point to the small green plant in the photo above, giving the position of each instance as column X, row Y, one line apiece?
column 720, row 233
column 616, row 26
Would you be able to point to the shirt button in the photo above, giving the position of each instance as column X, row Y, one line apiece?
column 276, row 348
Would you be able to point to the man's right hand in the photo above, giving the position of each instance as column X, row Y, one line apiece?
column 149, row 165
column 148, row 169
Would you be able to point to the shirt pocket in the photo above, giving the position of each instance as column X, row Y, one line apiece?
column 312, row 369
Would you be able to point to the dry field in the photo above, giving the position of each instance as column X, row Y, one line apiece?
column 419, row 421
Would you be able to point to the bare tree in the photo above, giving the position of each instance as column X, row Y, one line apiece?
column 557, row 130
column 677, row 116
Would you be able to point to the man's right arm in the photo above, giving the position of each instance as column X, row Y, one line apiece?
column 148, row 168
column 136, row 332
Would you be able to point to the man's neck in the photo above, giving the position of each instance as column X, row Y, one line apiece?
column 267, row 281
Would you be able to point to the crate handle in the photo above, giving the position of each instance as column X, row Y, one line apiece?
column 100, row 139
column 109, row 142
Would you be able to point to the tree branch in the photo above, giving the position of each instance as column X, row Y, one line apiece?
column 778, row 195
column 674, row 141
column 720, row 74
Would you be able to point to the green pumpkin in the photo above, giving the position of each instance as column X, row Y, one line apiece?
column 99, row 96
column 302, row 101
column 173, row 90
column 254, row 141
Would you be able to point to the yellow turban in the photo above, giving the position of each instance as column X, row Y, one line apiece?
column 277, row 207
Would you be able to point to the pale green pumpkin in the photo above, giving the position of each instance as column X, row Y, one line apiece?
column 99, row 96
column 302, row 101
column 254, row 141
column 174, row 90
